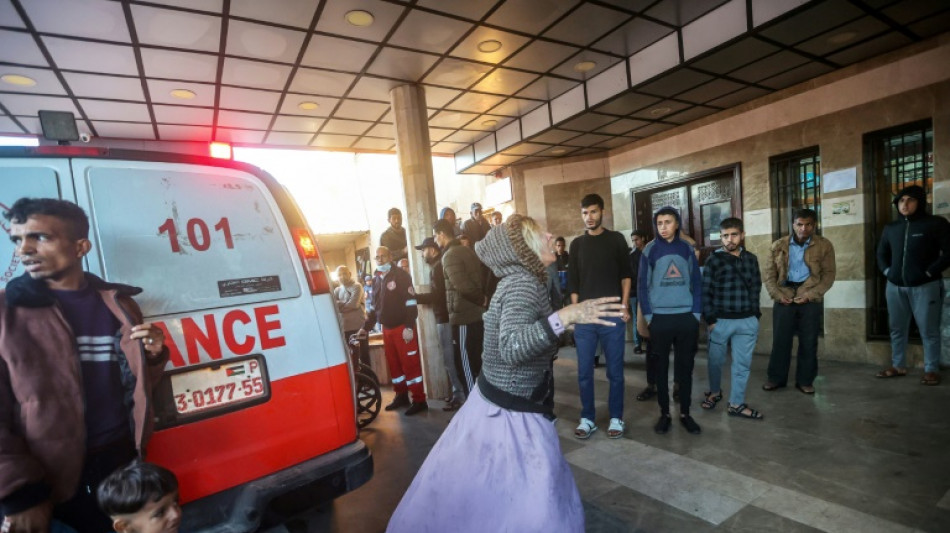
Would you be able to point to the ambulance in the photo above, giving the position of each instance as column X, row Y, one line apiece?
column 256, row 413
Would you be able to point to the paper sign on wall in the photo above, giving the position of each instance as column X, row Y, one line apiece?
column 840, row 180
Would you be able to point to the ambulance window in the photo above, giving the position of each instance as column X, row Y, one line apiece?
column 197, row 238
column 18, row 182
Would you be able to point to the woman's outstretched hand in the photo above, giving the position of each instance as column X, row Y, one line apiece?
column 592, row 312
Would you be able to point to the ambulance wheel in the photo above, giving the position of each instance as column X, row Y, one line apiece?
column 368, row 400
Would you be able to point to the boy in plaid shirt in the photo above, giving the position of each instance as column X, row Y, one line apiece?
column 731, row 287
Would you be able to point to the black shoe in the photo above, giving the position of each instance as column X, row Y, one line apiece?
column 401, row 400
column 648, row 392
column 676, row 392
column 418, row 407
column 638, row 349
column 597, row 362
column 663, row 424
column 690, row 425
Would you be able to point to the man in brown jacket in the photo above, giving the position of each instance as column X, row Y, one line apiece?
column 799, row 271
column 77, row 367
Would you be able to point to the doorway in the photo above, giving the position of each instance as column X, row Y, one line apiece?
column 703, row 201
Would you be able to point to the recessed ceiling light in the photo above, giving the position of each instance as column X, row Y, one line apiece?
column 843, row 37
column 489, row 46
column 308, row 106
column 183, row 94
column 558, row 151
column 490, row 123
column 659, row 111
column 585, row 66
column 17, row 79
column 359, row 18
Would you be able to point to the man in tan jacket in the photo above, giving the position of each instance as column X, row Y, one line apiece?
column 77, row 368
column 799, row 271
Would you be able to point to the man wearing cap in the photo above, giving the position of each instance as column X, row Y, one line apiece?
column 476, row 227
column 433, row 257
column 913, row 252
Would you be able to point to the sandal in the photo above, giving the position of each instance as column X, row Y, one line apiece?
column 740, row 411
column 648, row 392
column 615, row 430
column 711, row 401
column 585, row 429
column 930, row 378
column 891, row 372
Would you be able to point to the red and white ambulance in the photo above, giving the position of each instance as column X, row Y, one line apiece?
column 256, row 414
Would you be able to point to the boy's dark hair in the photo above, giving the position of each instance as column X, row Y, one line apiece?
column 393, row 211
column 668, row 210
column 731, row 223
column 592, row 199
column 129, row 488
column 559, row 239
column 640, row 233
column 808, row 214
column 66, row 211
column 444, row 226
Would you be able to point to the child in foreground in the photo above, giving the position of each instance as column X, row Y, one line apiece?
column 141, row 498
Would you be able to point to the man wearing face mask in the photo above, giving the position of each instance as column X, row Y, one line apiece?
column 433, row 256
column 394, row 305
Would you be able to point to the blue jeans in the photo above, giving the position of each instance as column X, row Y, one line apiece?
column 611, row 338
column 743, row 332
column 924, row 303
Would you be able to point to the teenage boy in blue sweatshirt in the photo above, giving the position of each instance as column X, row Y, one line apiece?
column 669, row 289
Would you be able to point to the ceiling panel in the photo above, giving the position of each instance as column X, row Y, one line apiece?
column 569, row 69
column 179, row 65
column 385, row 14
column 402, row 64
column 710, row 91
column 335, row 53
column 840, row 37
column 621, row 126
column 383, row 130
column 628, row 103
column 285, row 138
column 46, row 82
column 555, row 136
column 369, row 88
column 105, row 110
column 880, row 45
column 160, row 91
column 739, row 97
column 177, row 29
column 249, row 99
column 540, row 56
column 239, row 136
column 529, row 16
column 586, row 24
column 470, row 9
column 769, row 66
column 548, row 88
column 239, row 119
column 254, row 74
column 587, row 122
column 507, row 44
column 633, row 36
column 451, row 119
column 736, row 55
column 812, row 21
column 260, row 41
column 348, row 127
column 429, row 32
column 184, row 133
column 124, row 130
column 675, row 82
column 447, row 147
column 504, row 81
column 333, row 141
column 92, row 57
column 515, row 107
column 20, row 48
column 456, row 73
column 660, row 109
column 690, row 114
column 297, row 13
column 299, row 124
column 360, row 110
column 9, row 16
column 369, row 143
column 475, row 102
column 29, row 104
column 682, row 12
column 291, row 105
column 322, row 82
column 97, row 19
column 796, row 75
column 174, row 114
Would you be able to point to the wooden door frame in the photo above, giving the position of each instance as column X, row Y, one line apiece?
column 736, row 169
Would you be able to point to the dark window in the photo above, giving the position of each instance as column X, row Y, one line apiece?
column 796, row 184
column 894, row 158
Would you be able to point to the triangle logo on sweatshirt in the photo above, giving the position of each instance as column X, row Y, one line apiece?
column 672, row 272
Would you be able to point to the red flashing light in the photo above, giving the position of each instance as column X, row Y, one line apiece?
column 221, row 150
column 70, row 151
column 313, row 267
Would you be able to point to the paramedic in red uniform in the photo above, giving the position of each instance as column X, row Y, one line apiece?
column 77, row 368
column 394, row 306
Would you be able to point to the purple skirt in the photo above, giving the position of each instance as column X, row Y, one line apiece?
column 492, row 470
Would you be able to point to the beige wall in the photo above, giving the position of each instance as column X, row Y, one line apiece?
column 832, row 112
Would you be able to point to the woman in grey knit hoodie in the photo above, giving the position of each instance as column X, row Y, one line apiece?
column 498, row 466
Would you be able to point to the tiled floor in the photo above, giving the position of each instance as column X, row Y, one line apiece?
column 862, row 455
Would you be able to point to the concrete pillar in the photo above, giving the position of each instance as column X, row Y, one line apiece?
column 415, row 165
column 518, row 194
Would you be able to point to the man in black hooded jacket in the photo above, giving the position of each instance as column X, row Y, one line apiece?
column 913, row 252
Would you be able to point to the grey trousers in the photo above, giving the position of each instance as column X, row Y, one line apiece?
column 924, row 303
column 448, row 358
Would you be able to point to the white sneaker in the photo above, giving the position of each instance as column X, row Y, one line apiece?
column 615, row 430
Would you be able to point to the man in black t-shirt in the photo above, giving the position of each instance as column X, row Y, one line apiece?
column 394, row 238
column 599, row 266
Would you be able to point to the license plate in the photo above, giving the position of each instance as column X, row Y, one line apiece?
column 220, row 386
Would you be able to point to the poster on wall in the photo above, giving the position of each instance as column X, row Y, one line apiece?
column 840, row 180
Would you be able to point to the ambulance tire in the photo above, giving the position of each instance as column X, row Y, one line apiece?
column 368, row 399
